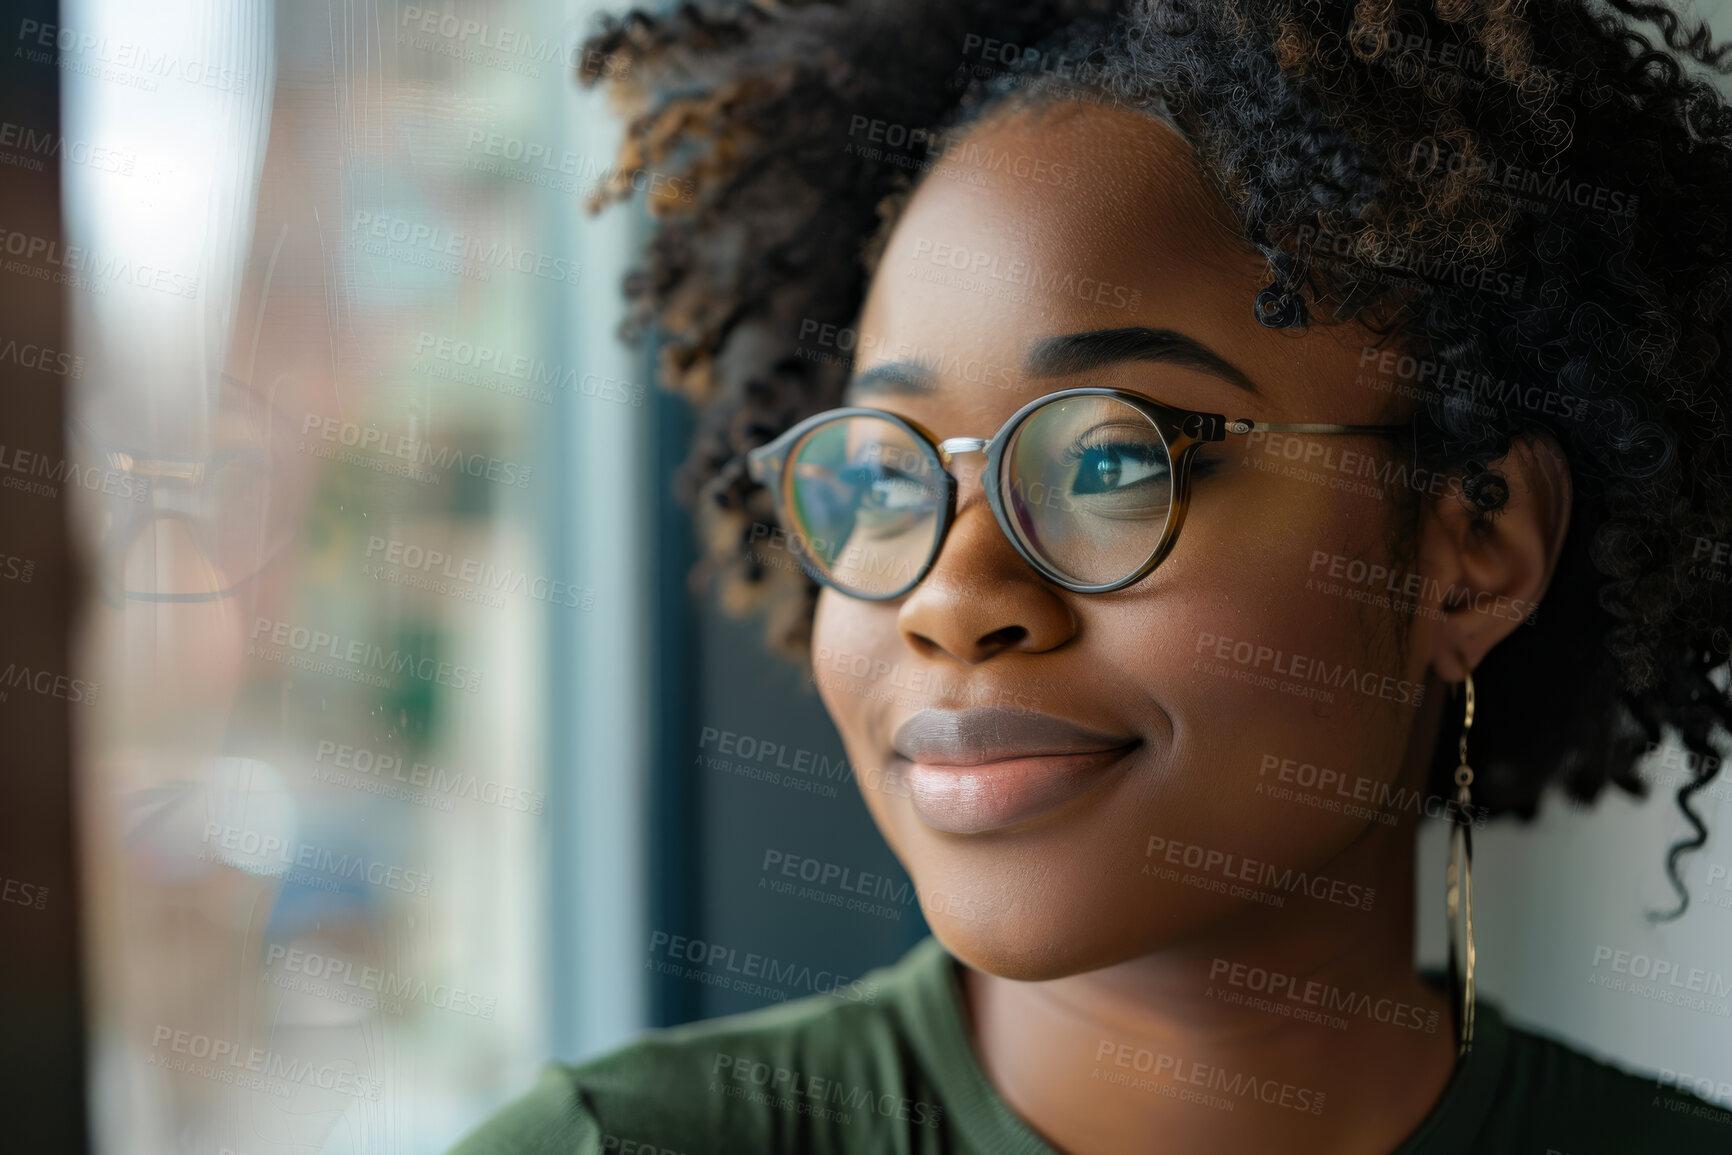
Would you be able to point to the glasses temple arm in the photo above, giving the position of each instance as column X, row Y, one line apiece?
column 1246, row 425
column 762, row 463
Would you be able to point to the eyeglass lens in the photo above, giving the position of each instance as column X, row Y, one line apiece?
column 867, row 500
column 1086, row 482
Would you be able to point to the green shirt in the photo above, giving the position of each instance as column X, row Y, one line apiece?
column 898, row 1074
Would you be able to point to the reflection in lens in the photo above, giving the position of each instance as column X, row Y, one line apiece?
column 196, row 513
column 1088, row 484
column 865, row 497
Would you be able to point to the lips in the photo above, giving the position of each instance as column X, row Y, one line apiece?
column 988, row 768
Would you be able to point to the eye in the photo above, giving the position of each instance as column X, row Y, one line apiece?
column 1107, row 464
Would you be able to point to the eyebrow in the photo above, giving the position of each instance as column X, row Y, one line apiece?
column 910, row 378
column 1067, row 354
column 1080, row 352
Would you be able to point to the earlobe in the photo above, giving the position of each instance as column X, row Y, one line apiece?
column 1500, row 564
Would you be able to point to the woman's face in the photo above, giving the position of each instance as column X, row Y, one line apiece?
column 1042, row 752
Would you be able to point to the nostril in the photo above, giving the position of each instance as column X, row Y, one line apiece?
column 1003, row 639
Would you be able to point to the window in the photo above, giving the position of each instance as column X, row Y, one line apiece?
column 347, row 400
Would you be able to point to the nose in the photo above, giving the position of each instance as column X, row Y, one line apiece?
column 981, row 598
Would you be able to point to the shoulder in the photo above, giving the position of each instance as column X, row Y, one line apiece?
column 825, row 1073
column 1564, row 1100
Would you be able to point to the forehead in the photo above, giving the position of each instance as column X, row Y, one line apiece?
column 1107, row 185
column 1067, row 218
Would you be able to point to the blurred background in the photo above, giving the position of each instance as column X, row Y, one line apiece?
column 393, row 751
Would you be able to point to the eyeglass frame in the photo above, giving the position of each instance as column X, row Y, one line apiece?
column 1182, row 431
column 174, row 474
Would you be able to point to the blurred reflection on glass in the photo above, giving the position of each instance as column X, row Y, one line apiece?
column 189, row 527
column 327, row 576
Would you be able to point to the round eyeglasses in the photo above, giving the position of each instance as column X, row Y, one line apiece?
column 1089, row 485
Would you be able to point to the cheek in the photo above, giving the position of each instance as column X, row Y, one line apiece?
column 861, row 678
column 1256, row 661
column 853, row 662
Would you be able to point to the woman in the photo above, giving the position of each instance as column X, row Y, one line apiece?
column 1412, row 317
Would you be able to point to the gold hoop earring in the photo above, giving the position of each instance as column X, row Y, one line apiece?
column 1458, row 895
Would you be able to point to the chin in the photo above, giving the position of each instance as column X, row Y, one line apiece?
column 1029, row 948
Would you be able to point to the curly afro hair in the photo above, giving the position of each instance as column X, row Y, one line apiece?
column 1530, row 201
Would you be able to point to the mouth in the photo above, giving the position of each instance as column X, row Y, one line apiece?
column 983, row 769
column 996, row 795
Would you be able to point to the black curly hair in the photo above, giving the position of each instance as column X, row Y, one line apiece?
column 1529, row 203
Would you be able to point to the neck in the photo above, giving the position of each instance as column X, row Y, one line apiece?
column 1301, row 1028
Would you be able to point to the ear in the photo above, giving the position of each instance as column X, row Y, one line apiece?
column 1493, row 569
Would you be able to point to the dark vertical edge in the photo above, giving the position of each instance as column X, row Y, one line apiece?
column 675, row 801
column 675, row 782
column 42, row 971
